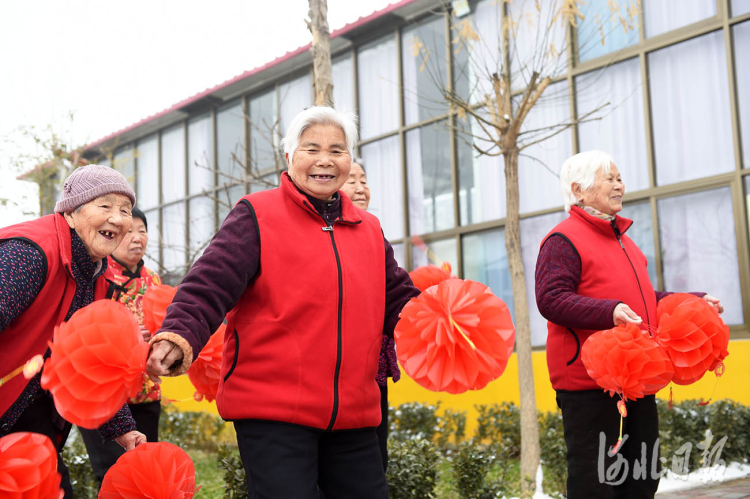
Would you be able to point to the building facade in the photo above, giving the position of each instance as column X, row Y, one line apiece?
column 674, row 93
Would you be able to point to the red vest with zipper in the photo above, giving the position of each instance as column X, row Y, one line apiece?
column 302, row 344
column 610, row 269
column 30, row 332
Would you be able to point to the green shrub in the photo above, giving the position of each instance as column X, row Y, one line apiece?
column 76, row 458
column 555, row 464
column 191, row 430
column 500, row 424
column 234, row 474
column 479, row 471
column 412, row 421
column 451, row 425
column 412, row 469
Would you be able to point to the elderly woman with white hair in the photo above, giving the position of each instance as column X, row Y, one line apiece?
column 590, row 276
column 308, row 285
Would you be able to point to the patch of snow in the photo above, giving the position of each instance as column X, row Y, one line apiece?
column 704, row 477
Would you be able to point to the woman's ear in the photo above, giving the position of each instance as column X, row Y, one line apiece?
column 69, row 218
column 576, row 189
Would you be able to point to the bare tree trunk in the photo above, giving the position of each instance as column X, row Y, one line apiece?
column 530, row 448
column 321, row 52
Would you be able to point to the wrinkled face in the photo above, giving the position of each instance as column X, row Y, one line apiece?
column 356, row 187
column 102, row 223
column 133, row 245
column 607, row 192
column 320, row 165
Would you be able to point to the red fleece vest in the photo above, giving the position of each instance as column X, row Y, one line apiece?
column 302, row 344
column 609, row 270
column 29, row 333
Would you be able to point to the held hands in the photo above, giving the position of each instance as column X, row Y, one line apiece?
column 714, row 302
column 131, row 440
column 163, row 356
column 145, row 333
column 624, row 314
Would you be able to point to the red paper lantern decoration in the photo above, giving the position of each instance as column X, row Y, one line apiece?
column 624, row 360
column 96, row 364
column 205, row 371
column 428, row 275
column 156, row 470
column 693, row 335
column 28, row 467
column 155, row 303
column 455, row 336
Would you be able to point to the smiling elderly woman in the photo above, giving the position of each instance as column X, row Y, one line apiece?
column 50, row 268
column 590, row 276
column 308, row 285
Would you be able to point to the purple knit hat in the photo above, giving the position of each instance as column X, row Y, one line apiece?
column 87, row 183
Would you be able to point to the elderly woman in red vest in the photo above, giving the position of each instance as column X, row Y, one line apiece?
column 591, row 276
column 308, row 285
column 50, row 268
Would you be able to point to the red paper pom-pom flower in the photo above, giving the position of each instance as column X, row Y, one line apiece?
column 428, row 275
column 205, row 371
column 28, row 467
column 693, row 335
column 624, row 360
column 454, row 337
column 96, row 364
column 155, row 303
column 156, row 470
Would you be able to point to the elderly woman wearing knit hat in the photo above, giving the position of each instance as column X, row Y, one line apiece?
column 49, row 268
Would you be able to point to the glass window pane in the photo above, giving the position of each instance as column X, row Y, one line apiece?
column 533, row 231
column 399, row 255
column 740, row 7
column 200, row 154
column 201, row 226
column 268, row 181
column 430, row 185
column 262, row 132
column 124, row 162
column 439, row 252
column 606, row 27
column 485, row 261
column 537, row 40
column 104, row 162
column 342, row 70
column 690, row 109
column 474, row 58
column 173, row 164
column 642, row 233
column 662, row 16
column 481, row 178
column 621, row 131
column 699, row 247
column 228, row 197
column 423, row 58
column 147, row 190
column 742, row 68
column 378, row 87
column 229, row 144
column 294, row 97
column 173, row 231
column 383, row 166
column 151, row 256
column 539, row 167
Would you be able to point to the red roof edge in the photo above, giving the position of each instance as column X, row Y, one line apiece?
column 339, row 32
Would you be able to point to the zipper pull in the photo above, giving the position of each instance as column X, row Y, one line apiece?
column 327, row 228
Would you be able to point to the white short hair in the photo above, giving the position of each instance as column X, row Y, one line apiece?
column 581, row 169
column 319, row 115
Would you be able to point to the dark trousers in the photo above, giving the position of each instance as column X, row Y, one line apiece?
column 289, row 461
column 632, row 473
column 42, row 417
column 382, row 429
column 103, row 455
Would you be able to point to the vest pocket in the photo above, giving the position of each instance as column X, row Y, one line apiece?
column 236, row 355
column 578, row 346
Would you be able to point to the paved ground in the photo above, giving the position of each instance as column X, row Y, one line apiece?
column 735, row 489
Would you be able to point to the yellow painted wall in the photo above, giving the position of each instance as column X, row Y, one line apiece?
column 734, row 384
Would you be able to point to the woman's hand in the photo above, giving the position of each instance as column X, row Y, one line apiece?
column 164, row 354
column 131, row 440
column 624, row 314
column 145, row 333
column 715, row 302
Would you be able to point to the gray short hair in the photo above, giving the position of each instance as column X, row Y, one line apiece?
column 361, row 164
column 581, row 169
column 320, row 115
